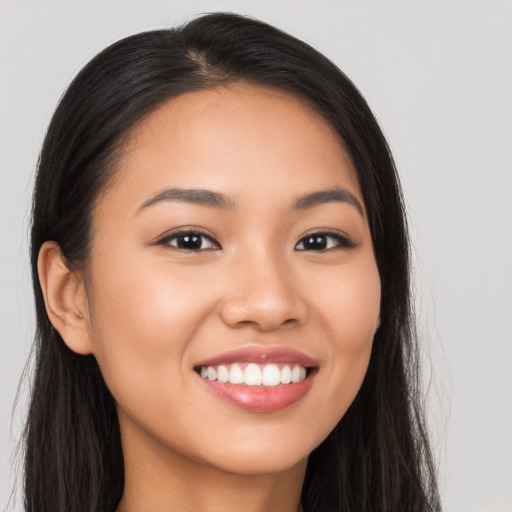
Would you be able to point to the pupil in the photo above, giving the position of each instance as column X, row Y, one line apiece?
column 189, row 242
column 317, row 242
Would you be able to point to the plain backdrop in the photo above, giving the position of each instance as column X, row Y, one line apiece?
column 438, row 76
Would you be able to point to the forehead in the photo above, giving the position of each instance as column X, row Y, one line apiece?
column 241, row 140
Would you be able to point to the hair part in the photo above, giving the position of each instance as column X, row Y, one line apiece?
column 378, row 457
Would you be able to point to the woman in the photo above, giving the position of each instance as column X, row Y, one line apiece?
column 220, row 264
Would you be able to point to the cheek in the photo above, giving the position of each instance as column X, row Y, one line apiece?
column 140, row 302
column 348, row 310
column 143, row 321
column 348, row 300
column 356, row 319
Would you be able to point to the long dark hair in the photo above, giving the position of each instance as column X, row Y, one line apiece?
column 378, row 457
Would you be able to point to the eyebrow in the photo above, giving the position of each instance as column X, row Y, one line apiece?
column 332, row 195
column 191, row 195
column 217, row 200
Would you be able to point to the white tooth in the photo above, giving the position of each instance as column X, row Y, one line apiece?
column 204, row 373
column 212, row 373
column 222, row 374
column 286, row 375
column 271, row 375
column 252, row 375
column 302, row 373
column 236, row 375
column 296, row 373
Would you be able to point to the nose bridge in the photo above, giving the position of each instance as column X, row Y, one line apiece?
column 262, row 292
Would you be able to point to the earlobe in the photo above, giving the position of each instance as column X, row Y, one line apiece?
column 377, row 326
column 65, row 299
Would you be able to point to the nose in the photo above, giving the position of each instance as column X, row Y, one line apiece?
column 263, row 295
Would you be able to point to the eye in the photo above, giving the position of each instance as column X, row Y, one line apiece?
column 190, row 240
column 324, row 241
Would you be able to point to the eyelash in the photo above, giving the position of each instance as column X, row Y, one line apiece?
column 342, row 241
column 189, row 232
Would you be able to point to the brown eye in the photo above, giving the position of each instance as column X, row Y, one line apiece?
column 323, row 242
column 190, row 241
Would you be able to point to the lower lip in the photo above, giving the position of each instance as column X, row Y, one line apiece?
column 259, row 398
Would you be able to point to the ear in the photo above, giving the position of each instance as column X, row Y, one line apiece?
column 65, row 299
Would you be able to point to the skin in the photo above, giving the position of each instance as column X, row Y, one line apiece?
column 150, row 311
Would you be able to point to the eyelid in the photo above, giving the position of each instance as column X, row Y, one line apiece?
column 344, row 241
column 186, row 230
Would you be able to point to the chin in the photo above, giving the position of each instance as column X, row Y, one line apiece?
column 262, row 463
column 259, row 454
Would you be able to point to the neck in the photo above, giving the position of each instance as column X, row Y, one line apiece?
column 158, row 478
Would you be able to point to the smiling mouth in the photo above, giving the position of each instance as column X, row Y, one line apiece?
column 253, row 375
column 259, row 388
column 259, row 379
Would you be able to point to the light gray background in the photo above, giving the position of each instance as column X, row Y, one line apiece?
column 438, row 77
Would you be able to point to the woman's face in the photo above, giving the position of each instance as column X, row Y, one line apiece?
column 232, row 248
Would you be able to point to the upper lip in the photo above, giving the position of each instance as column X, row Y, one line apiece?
column 261, row 355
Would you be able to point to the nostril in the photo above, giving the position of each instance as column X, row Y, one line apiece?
column 263, row 311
